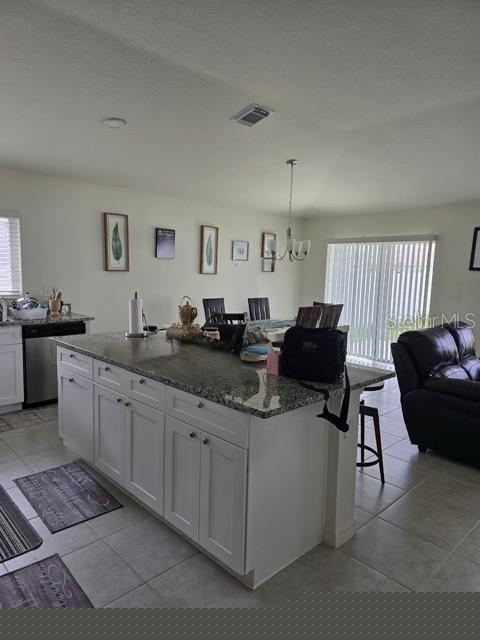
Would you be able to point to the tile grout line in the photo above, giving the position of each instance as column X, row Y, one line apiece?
column 450, row 554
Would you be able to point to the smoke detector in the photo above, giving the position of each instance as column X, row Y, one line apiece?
column 251, row 115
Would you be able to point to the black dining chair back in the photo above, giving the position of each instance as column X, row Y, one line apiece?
column 330, row 314
column 259, row 308
column 214, row 309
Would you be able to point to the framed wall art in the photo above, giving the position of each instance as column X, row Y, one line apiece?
column 208, row 250
column 164, row 243
column 268, row 265
column 475, row 255
column 266, row 237
column 115, row 232
column 240, row 250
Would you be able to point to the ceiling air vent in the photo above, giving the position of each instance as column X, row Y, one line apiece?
column 251, row 115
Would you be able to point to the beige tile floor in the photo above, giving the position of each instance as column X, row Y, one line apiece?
column 420, row 531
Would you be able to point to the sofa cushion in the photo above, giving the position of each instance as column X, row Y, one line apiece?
column 464, row 339
column 433, row 351
column 471, row 364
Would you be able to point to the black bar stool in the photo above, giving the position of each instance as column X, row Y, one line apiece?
column 372, row 412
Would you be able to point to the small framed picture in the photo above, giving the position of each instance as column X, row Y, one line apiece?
column 208, row 250
column 475, row 255
column 164, row 243
column 239, row 250
column 266, row 237
column 115, row 232
column 268, row 265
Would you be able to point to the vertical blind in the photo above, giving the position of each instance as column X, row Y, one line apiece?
column 384, row 285
column 10, row 257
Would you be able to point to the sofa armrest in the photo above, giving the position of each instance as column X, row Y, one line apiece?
column 469, row 389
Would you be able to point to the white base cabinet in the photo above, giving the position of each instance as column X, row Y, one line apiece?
column 205, row 490
column 109, row 433
column 144, row 453
column 11, row 366
column 75, row 402
column 223, row 482
column 182, row 474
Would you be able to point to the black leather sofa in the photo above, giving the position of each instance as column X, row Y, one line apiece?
column 439, row 378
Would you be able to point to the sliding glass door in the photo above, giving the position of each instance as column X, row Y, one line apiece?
column 384, row 285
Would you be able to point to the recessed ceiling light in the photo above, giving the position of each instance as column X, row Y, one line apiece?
column 114, row 123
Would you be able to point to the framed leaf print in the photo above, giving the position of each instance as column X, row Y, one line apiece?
column 115, row 231
column 209, row 250
column 267, row 236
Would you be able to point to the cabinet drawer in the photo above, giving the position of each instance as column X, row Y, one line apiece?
column 10, row 335
column 209, row 416
column 109, row 376
column 150, row 392
column 76, row 362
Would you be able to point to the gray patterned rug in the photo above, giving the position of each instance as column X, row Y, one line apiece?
column 47, row 583
column 66, row 495
column 17, row 535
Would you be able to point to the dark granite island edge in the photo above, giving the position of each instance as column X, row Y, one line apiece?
column 215, row 375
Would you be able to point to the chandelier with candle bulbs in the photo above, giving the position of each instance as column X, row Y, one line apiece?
column 295, row 249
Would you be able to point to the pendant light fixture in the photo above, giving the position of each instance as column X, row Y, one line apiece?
column 296, row 249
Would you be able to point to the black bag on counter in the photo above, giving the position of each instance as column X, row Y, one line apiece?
column 318, row 355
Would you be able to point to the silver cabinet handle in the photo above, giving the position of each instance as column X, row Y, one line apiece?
column 107, row 368
column 205, row 441
column 141, row 381
column 127, row 403
column 70, row 380
column 119, row 399
column 192, row 434
column 200, row 405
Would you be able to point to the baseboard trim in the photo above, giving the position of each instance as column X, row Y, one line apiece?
column 339, row 535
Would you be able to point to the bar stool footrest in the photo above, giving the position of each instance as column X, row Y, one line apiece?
column 368, row 463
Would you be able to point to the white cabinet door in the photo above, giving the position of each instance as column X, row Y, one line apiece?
column 223, row 475
column 75, row 412
column 144, row 453
column 11, row 374
column 109, row 428
column 182, row 474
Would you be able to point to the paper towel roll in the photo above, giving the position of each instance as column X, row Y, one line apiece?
column 135, row 310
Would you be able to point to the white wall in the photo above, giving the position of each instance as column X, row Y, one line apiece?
column 454, row 287
column 62, row 243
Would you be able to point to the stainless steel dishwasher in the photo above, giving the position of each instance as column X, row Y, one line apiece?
column 40, row 359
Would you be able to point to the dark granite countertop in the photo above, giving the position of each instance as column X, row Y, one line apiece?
column 209, row 373
column 72, row 317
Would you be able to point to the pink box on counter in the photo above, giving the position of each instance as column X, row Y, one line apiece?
column 273, row 362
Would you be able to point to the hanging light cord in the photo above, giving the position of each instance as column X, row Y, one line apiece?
column 291, row 195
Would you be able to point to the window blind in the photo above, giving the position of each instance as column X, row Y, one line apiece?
column 384, row 285
column 10, row 257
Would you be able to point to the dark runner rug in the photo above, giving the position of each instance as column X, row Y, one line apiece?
column 17, row 535
column 66, row 495
column 47, row 583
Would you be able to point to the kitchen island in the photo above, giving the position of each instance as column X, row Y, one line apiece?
column 232, row 457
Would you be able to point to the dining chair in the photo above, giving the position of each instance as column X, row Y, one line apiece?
column 308, row 317
column 214, row 309
column 330, row 314
column 259, row 308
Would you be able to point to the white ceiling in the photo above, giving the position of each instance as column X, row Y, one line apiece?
column 378, row 99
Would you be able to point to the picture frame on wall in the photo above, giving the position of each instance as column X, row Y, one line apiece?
column 240, row 250
column 268, row 265
column 208, row 250
column 475, row 255
column 116, row 242
column 164, row 243
column 266, row 237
